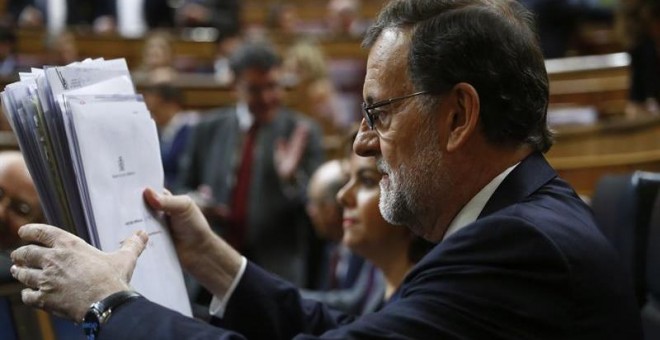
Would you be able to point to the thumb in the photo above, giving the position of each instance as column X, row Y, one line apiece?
column 169, row 204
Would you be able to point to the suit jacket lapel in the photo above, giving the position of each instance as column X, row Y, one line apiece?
column 531, row 174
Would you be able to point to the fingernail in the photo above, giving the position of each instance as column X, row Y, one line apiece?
column 142, row 235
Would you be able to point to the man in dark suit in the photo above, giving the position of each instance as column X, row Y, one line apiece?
column 456, row 95
column 258, row 207
column 343, row 276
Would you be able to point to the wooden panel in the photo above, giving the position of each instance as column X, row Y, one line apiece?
column 583, row 155
column 254, row 13
column 31, row 42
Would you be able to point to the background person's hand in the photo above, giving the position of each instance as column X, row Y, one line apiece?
column 288, row 153
column 65, row 275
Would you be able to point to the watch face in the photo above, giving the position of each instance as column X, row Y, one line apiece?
column 91, row 322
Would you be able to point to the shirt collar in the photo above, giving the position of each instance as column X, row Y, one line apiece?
column 245, row 118
column 473, row 208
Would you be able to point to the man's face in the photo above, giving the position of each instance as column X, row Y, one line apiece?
column 154, row 103
column 322, row 206
column 406, row 146
column 19, row 203
column 326, row 217
column 261, row 91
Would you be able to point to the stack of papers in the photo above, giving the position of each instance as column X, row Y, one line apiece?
column 92, row 148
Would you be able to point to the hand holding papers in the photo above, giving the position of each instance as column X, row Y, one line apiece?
column 92, row 148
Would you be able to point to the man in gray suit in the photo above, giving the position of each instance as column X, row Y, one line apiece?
column 248, row 166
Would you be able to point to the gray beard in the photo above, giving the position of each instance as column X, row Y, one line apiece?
column 410, row 199
column 394, row 204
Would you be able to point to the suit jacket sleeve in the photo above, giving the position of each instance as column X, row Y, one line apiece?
column 499, row 279
column 262, row 307
column 277, row 307
column 448, row 295
column 193, row 156
column 143, row 319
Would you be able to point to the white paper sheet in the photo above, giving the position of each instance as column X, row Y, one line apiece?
column 92, row 154
column 116, row 178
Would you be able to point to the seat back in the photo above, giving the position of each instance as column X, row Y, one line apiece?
column 651, row 310
column 622, row 206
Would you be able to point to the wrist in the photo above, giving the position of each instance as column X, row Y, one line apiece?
column 99, row 312
column 217, row 267
column 192, row 254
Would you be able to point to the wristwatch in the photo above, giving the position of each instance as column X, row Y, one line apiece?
column 99, row 312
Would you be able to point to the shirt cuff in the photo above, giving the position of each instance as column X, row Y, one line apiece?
column 218, row 305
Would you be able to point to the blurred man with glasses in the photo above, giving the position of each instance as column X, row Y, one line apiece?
column 19, row 203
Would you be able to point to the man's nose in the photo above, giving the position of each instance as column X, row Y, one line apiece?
column 366, row 142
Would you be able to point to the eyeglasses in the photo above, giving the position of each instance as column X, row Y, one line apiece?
column 20, row 208
column 371, row 116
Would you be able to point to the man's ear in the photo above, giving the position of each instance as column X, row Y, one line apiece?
column 463, row 117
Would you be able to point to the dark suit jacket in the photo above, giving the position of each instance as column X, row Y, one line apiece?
column 170, row 152
column 533, row 266
column 278, row 227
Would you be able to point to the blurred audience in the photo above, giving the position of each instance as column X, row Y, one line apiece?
column 56, row 15
column 226, row 45
column 640, row 24
column 157, row 64
column 19, row 205
column 62, row 49
column 19, row 202
column 247, row 166
column 306, row 70
column 9, row 63
column 344, row 20
column 174, row 125
column 558, row 22
column 282, row 20
column 135, row 17
column 225, row 15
